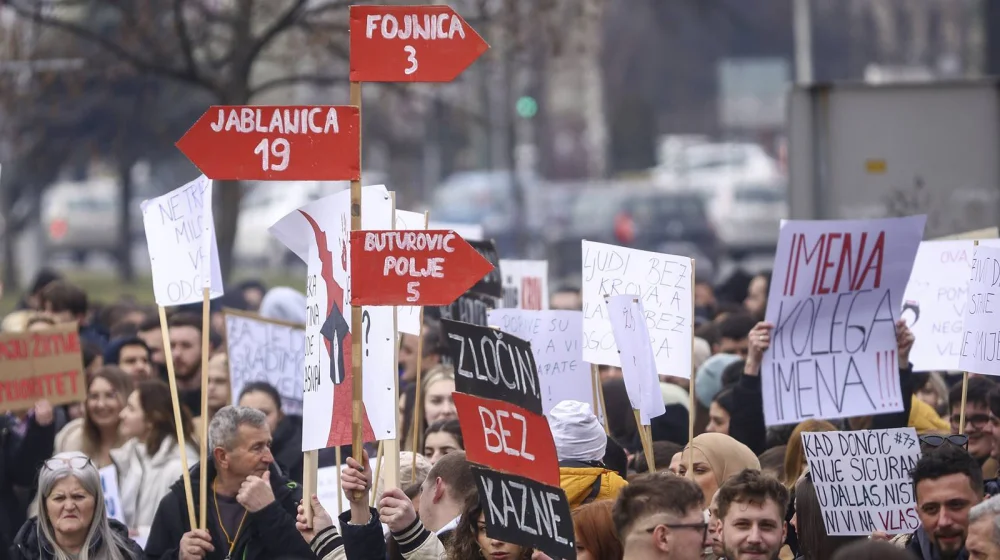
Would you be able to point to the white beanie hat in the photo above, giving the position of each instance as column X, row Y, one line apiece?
column 577, row 433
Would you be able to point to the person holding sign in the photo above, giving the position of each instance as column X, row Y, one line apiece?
column 251, row 506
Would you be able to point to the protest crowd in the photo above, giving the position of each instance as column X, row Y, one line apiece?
column 101, row 478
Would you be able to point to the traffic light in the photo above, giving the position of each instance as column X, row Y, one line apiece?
column 527, row 107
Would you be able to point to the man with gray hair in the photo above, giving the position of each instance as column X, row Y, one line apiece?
column 251, row 504
column 983, row 542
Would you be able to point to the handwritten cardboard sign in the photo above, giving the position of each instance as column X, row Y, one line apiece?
column 318, row 233
column 494, row 364
column 835, row 296
column 522, row 511
column 525, row 284
column 554, row 336
column 508, row 438
column 470, row 307
column 862, row 479
column 663, row 285
column 266, row 350
column 981, row 329
column 491, row 284
column 41, row 365
column 638, row 363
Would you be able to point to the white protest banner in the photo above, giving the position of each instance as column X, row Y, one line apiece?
column 934, row 302
column 862, row 479
column 555, row 342
column 981, row 329
column 835, row 296
column 112, row 498
column 663, row 285
column 319, row 233
column 408, row 316
column 262, row 349
column 469, row 232
column 525, row 284
column 183, row 253
column 642, row 383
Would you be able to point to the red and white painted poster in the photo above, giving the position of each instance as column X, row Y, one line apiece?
column 319, row 233
column 525, row 284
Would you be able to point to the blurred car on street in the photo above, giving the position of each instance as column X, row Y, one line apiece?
column 82, row 217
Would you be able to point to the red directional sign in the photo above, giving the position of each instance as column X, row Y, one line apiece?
column 411, row 44
column 423, row 268
column 276, row 143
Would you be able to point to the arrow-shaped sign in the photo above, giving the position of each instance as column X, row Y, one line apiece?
column 411, row 44
column 276, row 143
column 432, row 267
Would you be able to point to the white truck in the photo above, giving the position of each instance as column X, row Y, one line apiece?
column 868, row 151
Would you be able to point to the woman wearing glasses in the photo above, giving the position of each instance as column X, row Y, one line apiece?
column 72, row 522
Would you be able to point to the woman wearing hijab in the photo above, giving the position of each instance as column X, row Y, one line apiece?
column 580, row 445
column 714, row 458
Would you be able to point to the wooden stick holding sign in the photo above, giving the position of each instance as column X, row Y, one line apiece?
column 168, row 356
column 206, row 325
column 418, row 402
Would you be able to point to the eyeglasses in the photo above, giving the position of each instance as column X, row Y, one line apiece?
column 976, row 420
column 958, row 440
column 73, row 462
column 703, row 527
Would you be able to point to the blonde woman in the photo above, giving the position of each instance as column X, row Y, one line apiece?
column 436, row 388
column 96, row 433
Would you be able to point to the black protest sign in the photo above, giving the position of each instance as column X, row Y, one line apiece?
column 527, row 513
column 492, row 283
column 493, row 365
column 470, row 307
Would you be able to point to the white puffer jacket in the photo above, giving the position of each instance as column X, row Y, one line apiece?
column 143, row 480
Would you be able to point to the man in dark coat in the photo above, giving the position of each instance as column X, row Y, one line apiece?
column 251, row 505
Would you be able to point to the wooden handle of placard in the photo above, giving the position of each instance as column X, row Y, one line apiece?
column 418, row 401
column 310, row 468
column 645, row 439
column 206, row 326
column 965, row 387
column 378, row 473
column 357, row 327
column 172, row 378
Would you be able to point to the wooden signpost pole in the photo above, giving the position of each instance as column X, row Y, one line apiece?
column 357, row 385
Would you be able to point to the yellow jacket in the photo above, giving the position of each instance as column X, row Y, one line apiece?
column 925, row 420
column 578, row 483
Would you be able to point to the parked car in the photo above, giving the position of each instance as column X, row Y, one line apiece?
column 81, row 218
column 487, row 197
column 747, row 214
column 641, row 218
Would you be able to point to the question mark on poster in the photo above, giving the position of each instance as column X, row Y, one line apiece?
column 368, row 327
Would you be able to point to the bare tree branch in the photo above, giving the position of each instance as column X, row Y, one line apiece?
column 298, row 79
column 112, row 47
column 184, row 38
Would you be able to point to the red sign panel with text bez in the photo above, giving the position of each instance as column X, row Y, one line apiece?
column 507, row 438
column 426, row 268
column 276, row 143
column 411, row 44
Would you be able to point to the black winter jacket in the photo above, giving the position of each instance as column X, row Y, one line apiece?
column 268, row 534
column 20, row 459
column 27, row 545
